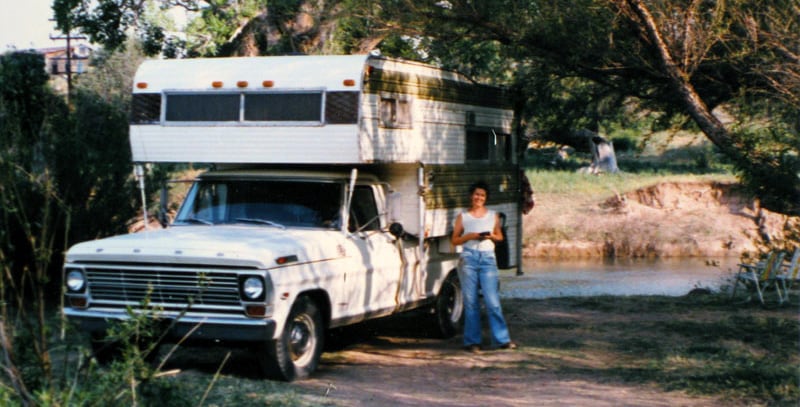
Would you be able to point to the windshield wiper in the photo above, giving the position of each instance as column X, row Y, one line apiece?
column 192, row 219
column 261, row 221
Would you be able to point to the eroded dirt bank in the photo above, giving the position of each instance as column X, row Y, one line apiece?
column 693, row 219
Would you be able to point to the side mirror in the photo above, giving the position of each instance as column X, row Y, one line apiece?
column 163, row 219
column 396, row 230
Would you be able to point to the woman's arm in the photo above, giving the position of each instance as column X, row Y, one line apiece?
column 497, row 233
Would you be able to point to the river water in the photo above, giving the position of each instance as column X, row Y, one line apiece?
column 560, row 278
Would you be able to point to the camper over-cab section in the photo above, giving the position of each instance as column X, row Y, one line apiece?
column 354, row 109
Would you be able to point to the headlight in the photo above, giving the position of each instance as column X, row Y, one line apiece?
column 252, row 288
column 76, row 281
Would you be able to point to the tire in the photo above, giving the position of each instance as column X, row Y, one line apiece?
column 448, row 315
column 296, row 353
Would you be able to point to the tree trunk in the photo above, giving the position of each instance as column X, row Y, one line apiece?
column 697, row 109
column 784, row 197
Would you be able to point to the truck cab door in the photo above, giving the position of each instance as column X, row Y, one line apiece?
column 373, row 287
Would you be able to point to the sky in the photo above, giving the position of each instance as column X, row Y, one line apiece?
column 24, row 24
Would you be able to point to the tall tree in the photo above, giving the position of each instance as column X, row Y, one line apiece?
column 216, row 27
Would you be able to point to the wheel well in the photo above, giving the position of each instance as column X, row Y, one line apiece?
column 451, row 273
column 323, row 303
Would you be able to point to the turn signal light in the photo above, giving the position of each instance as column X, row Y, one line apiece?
column 256, row 310
column 286, row 259
column 77, row 302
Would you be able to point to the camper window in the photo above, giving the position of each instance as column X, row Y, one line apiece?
column 488, row 146
column 145, row 108
column 341, row 107
column 395, row 111
column 203, row 107
column 283, row 107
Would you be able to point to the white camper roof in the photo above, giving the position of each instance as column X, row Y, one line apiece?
column 299, row 72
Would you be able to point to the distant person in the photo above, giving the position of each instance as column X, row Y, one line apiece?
column 477, row 230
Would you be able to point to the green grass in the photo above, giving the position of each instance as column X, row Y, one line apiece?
column 665, row 157
column 563, row 182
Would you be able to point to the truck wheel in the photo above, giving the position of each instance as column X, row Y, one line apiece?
column 449, row 308
column 295, row 354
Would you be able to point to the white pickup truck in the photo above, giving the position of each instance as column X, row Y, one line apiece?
column 307, row 221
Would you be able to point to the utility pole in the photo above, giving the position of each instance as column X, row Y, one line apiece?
column 68, row 37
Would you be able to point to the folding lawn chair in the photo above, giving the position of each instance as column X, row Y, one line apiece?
column 760, row 275
column 787, row 275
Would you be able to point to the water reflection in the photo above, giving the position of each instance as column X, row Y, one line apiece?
column 570, row 278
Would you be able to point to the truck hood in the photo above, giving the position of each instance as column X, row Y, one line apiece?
column 229, row 245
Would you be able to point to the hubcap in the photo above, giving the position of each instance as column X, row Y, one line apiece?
column 301, row 339
column 454, row 304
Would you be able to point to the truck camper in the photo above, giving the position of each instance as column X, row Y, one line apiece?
column 333, row 188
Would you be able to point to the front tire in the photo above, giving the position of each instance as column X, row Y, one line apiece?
column 449, row 308
column 296, row 353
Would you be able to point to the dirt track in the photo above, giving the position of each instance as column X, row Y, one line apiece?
column 390, row 363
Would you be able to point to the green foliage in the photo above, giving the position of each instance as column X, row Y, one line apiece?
column 64, row 176
column 770, row 166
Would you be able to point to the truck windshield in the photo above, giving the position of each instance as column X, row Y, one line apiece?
column 270, row 203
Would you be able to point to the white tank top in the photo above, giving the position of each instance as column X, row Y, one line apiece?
column 484, row 224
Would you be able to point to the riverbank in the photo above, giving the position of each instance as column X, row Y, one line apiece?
column 703, row 218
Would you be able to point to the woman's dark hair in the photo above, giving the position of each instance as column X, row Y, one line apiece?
column 482, row 185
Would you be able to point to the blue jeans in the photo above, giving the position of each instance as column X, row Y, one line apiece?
column 479, row 270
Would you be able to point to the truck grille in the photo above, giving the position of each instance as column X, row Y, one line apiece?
column 169, row 287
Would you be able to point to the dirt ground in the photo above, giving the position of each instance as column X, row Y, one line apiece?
column 564, row 358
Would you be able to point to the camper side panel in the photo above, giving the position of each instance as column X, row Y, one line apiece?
column 437, row 133
column 446, row 195
column 411, row 113
column 330, row 144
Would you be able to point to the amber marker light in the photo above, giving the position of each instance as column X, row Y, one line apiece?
column 141, row 85
column 256, row 310
column 268, row 84
column 349, row 82
column 286, row 259
column 216, row 84
column 241, row 84
column 77, row 302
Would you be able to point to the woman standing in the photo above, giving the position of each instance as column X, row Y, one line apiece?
column 476, row 230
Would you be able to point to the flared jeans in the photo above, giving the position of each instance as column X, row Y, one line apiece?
column 478, row 270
